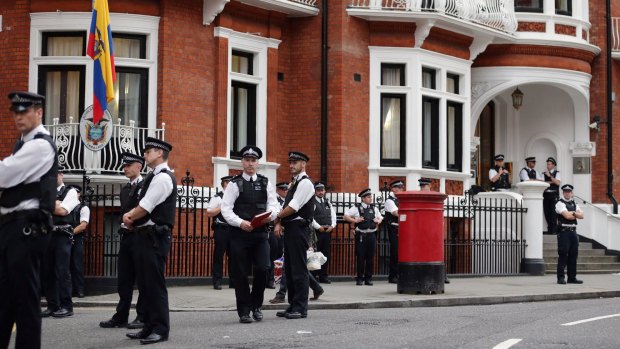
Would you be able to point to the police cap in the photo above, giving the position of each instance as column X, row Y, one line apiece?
column 152, row 142
column 21, row 100
column 365, row 192
column 251, row 151
column 297, row 156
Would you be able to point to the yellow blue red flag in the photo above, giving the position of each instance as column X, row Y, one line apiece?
column 101, row 50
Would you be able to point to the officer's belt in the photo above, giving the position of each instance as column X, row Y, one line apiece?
column 365, row 231
column 15, row 215
column 220, row 223
column 63, row 227
column 568, row 228
column 145, row 229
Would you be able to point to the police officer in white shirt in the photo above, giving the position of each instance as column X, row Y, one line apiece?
column 27, row 199
column 568, row 242
column 529, row 173
column 296, row 219
column 82, row 217
column 366, row 217
column 391, row 218
column 246, row 196
column 324, row 223
column 221, row 235
column 152, row 221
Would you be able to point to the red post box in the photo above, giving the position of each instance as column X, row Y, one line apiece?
column 420, row 242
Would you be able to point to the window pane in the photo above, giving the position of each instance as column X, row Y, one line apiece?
column 243, row 121
column 128, row 47
column 390, row 124
column 62, row 95
column 453, row 83
column 454, row 136
column 242, row 62
column 130, row 99
column 563, row 7
column 430, row 133
column 427, row 135
column 64, row 46
column 428, row 78
column 393, row 74
column 529, row 5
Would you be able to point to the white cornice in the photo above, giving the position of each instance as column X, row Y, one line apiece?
column 291, row 8
column 211, row 8
column 229, row 33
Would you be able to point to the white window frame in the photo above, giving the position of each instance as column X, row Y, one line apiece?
column 258, row 46
column 415, row 59
column 80, row 21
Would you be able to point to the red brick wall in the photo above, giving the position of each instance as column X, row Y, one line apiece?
column 14, row 55
column 143, row 7
column 186, row 95
column 535, row 56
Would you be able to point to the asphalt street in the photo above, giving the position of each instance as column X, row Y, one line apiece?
column 591, row 323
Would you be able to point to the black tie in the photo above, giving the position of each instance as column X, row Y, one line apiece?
column 18, row 145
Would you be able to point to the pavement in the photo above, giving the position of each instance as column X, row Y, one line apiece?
column 346, row 295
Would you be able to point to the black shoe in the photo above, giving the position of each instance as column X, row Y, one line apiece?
column 245, row 319
column 282, row 313
column 135, row 324
column 316, row 295
column 137, row 335
column 257, row 314
column 446, row 281
column 112, row 323
column 561, row 281
column 368, row 283
column 393, row 280
column 153, row 338
column 62, row 312
column 575, row 281
column 359, row 283
column 295, row 315
column 47, row 312
column 324, row 281
column 217, row 285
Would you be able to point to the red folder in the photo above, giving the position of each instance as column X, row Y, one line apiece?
column 257, row 221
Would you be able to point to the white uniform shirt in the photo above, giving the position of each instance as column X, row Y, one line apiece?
column 303, row 193
column 524, row 176
column 316, row 225
column 31, row 162
column 160, row 188
column 390, row 205
column 215, row 203
column 232, row 193
column 85, row 214
column 71, row 199
column 353, row 212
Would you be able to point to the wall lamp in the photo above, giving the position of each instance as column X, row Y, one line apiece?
column 517, row 99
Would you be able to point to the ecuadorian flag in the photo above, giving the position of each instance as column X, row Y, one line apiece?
column 101, row 50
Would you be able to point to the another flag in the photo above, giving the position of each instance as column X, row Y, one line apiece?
column 101, row 50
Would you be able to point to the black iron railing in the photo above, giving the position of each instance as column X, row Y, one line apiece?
column 482, row 236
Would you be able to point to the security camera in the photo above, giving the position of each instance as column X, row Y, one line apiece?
column 594, row 125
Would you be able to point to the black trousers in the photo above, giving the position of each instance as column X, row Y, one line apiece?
column 77, row 263
column 568, row 251
column 312, row 282
column 221, row 239
column 249, row 251
column 57, row 272
column 274, row 253
column 365, row 247
column 393, row 236
column 151, row 252
column 127, row 275
column 323, row 245
column 20, row 298
column 549, row 201
column 296, row 235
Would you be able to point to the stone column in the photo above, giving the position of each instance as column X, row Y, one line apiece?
column 532, row 192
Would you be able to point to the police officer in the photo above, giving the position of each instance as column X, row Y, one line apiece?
column 247, row 196
column 281, row 190
column 27, row 195
column 57, row 270
column 529, row 173
column 568, row 242
column 499, row 175
column 391, row 218
column 296, row 219
column 551, row 195
column 127, row 267
column 152, row 221
column 221, row 237
column 366, row 217
column 324, row 223
column 81, row 218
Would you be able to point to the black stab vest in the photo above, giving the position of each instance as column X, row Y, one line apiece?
column 368, row 214
column 389, row 217
column 531, row 173
column 44, row 189
column 129, row 199
column 323, row 213
column 306, row 212
column 252, row 198
column 64, row 220
column 571, row 206
column 164, row 213
column 502, row 182
column 552, row 187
